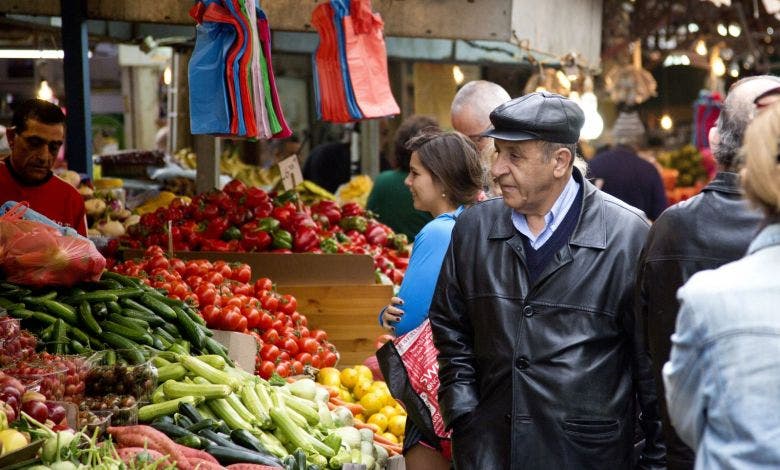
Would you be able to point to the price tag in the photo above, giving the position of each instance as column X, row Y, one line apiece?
column 290, row 170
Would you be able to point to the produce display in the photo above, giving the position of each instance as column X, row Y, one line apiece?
column 230, row 164
column 369, row 399
column 227, row 300
column 240, row 219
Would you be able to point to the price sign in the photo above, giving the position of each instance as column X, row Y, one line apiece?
column 290, row 170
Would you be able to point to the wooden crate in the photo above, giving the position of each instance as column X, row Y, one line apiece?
column 348, row 313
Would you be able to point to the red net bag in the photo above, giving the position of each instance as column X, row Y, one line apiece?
column 35, row 254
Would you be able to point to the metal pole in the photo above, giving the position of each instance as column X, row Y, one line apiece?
column 78, row 138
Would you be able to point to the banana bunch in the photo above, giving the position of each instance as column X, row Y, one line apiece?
column 250, row 175
column 186, row 158
column 356, row 190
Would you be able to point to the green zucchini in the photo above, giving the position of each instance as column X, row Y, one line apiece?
column 150, row 412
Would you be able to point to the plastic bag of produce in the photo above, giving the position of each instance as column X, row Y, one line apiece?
column 36, row 254
column 409, row 365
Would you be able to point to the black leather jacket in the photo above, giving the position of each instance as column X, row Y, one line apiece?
column 704, row 232
column 544, row 376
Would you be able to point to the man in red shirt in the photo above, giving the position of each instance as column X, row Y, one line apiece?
column 35, row 138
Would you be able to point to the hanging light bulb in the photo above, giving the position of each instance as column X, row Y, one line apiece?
column 594, row 123
column 722, row 29
column 701, row 47
column 718, row 67
column 45, row 92
column 167, row 75
column 666, row 122
column 735, row 30
column 457, row 74
column 734, row 70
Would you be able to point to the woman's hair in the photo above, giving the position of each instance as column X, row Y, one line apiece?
column 409, row 128
column 762, row 161
column 452, row 160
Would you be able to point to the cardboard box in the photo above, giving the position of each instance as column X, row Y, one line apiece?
column 242, row 348
column 348, row 313
column 292, row 268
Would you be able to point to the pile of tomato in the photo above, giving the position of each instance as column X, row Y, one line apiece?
column 241, row 219
column 228, row 300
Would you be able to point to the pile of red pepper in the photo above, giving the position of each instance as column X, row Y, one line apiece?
column 249, row 219
column 227, row 300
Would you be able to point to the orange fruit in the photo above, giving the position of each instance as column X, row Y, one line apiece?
column 349, row 377
column 363, row 386
column 372, row 402
column 379, row 420
column 364, row 372
column 388, row 411
column 397, row 425
column 391, row 437
column 329, row 376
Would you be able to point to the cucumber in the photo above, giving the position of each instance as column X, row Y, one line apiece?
column 130, row 303
column 190, row 329
column 20, row 312
column 157, row 306
column 85, row 312
column 59, row 336
column 64, row 311
column 129, row 321
column 152, row 320
column 99, row 309
column 113, row 307
column 192, row 441
column 163, row 335
column 135, row 334
column 126, row 281
column 130, row 350
column 96, row 296
column 43, row 317
column 172, row 330
column 230, row 455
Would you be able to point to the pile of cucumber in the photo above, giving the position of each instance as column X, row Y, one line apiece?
column 204, row 403
column 118, row 312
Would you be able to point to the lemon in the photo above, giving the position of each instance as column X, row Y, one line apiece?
column 363, row 386
column 388, row 411
column 390, row 437
column 360, row 417
column 364, row 372
column 349, row 377
column 379, row 420
column 380, row 386
column 397, row 425
column 11, row 440
column 372, row 402
column 401, row 410
column 329, row 376
column 346, row 396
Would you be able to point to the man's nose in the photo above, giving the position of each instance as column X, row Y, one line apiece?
column 498, row 167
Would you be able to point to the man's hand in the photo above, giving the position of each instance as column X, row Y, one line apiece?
column 392, row 314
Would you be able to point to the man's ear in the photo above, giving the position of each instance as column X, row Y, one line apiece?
column 563, row 161
column 713, row 137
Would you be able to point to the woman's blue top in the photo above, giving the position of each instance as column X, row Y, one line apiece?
column 430, row 246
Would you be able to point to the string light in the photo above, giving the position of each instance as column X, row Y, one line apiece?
column 45, row 92
column 718, row 67
column 701, row 47
column 457, row 74
column 734, row 30
column 167, row 75
column 666, row 122
column 722, row 30
column 734, row 70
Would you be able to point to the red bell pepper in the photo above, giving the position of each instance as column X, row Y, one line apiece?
column 235, row 189
column 351, row 209
column 255, row 240
column 284, row 215
column 330, row 210
column 215, row 228
column 376, row 234
column 306, row 239
column 263, row 209
column 255, row 197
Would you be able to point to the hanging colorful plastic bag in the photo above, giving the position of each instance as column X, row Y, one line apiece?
column 367, row 59
column 36, row 254
column 240, row 58
column 341, row 11
column 210, row 93
column 332, row 96
column 264, row 33
column 409, row 364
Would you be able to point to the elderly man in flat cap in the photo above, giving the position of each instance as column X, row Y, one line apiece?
column 540, row 366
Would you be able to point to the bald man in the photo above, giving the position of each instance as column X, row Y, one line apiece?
column 708, row 230
column 470, row 115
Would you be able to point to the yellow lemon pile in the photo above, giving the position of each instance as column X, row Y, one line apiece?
column 357, row 385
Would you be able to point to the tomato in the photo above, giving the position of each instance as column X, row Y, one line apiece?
column 180, row 289
column 224, row 269
column 295, row 317
column 241, row 326
column 283, row 369
column 269, row 352
column 206, row 295
column 288, row 304
column 316, row 361
column 215, row 278
column 266, row 369
column 193, row 281
column 319, row 335
column 235, row 302
column 252, row 317
column 178, row 265
column 296, row 368
column 231, row 318
column 158, row 262
column 277, row 325
column 242, row 289
column 303, row 332
column 266, row 321
column 309, row 345
column 270, row 302
column 329, row 358
column 243, row 274
column 271, row 336
column 291, row 346
column 304, row 358
column 263, row 284
column 284, row 356
column 211, row 314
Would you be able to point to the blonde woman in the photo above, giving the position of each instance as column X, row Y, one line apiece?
column 723, row 376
